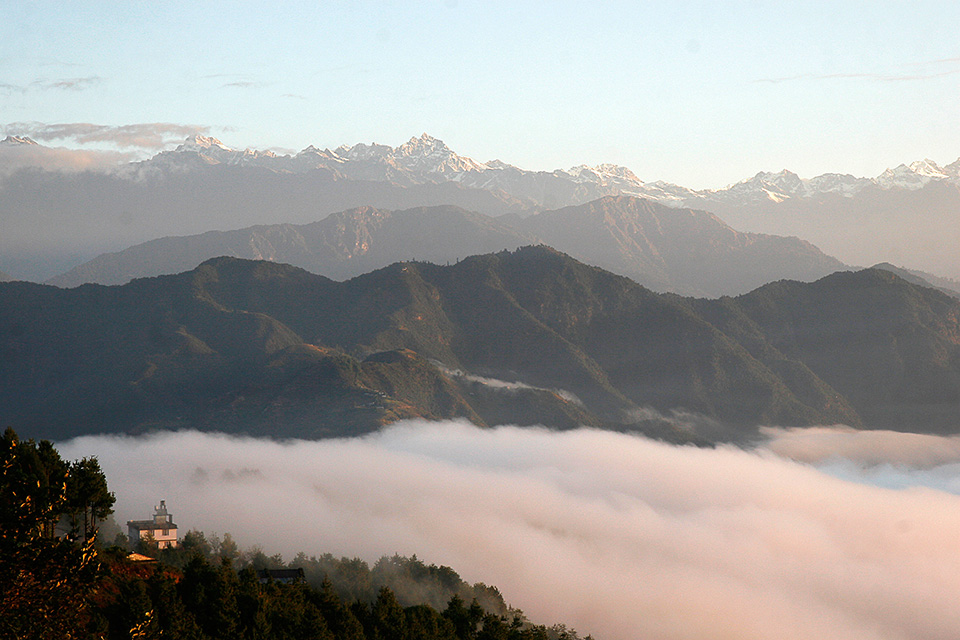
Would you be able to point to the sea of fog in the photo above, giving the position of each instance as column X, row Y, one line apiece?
column 818, row 533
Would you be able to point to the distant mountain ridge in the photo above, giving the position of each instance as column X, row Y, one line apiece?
column 341, row 246
column 945, row 285
column 677, row 250
column 912, row 211
column 53, row 221
column 265, row 348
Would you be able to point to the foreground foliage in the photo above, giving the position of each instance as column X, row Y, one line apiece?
column 45, row 579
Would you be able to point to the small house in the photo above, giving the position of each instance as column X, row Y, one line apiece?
column 161, row 528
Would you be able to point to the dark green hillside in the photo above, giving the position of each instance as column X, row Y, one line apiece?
column 265, row 348
column 890, row 347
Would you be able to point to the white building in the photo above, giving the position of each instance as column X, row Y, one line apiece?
column 161, row 528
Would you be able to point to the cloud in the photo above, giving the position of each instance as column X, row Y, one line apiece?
column 822, row 444
column 149, row 136
column 69, row 84
column 7, row 89
column 504, row 385
column 15, row 158
column 62, row 84
column 881, row 458
column 619, row 536
column 243, row 84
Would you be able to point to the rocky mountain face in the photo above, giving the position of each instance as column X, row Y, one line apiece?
column 530, row 336
column 677, row 250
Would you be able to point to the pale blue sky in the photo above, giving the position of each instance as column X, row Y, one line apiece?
column 698, row 93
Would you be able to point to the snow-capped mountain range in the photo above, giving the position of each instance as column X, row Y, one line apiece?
column 425, row 159
column 17, row 140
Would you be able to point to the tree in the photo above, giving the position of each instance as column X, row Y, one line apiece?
column 88, row 499
column 228, row 549
column 388, row 616
column 45, row 580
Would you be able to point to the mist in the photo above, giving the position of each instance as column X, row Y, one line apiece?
column 882, row 458
column 15, row 158
column 614, row 534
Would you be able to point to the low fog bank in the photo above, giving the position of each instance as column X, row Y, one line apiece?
column 889, row 459
column 614, row 534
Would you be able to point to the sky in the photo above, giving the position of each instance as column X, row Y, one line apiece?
column 701, row 94
column 817, row 534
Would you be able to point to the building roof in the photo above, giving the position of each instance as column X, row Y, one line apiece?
column 280, row 575
column 139, row 557
column 150, row 524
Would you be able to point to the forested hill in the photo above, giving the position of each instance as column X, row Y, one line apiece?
column 529, row 336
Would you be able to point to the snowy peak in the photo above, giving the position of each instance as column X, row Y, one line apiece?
column 927, row 167
column 786, row 181
column 426, row 154
column 914, row 176
column 841, row 183
column 604, row 174
column 429, row 154
column 424, row 145
column 18, row 140
column 198, row 142
column 365, row 152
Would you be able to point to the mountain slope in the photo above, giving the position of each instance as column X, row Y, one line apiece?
column 530, row 336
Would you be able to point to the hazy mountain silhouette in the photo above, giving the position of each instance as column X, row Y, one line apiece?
column 678, row 250
column 52, row 221
column 340, row 246
column 948, row 286
column 917, row 227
